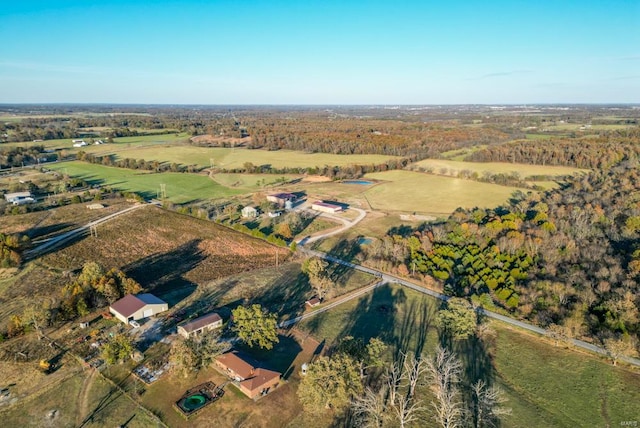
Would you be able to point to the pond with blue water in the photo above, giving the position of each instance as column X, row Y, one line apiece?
column 358, row 182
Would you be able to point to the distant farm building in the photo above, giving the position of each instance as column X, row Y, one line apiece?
column 79, row 143
column 252, row 381
column 283, row 199
column 136, row 307
column 200, row 325
column 312, row 303
column 326, row 207
column 249, row 212
column 95, row 206
column 19, row 198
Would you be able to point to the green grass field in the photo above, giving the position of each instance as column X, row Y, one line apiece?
column 545, row 385
column 252, row 181
column 119, row 144
column 180, row 187
column 230, row 158
column 430, row 194
column 452, row 167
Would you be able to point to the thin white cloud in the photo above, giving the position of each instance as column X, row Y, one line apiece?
column 500, row 74
column 37, row 66
column 629, row 58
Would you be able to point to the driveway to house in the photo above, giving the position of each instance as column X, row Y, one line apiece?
column 346, row 225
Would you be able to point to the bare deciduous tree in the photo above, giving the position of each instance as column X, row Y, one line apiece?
column 488, row 402
column 444, row 372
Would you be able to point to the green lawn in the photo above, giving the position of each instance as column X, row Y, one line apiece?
column 545, row 385
column 229, row 158
column 425, row 193
column 452, row 167
column 180, row 187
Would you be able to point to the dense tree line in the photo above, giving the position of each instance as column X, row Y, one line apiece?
column 19, row 156
column 352, row 136
column 333, row 172
column 156, row 166
column 603, row 151
column 569, row 257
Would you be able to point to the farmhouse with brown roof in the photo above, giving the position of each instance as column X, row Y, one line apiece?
column 252, row 381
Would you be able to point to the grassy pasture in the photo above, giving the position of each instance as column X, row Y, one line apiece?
column 452, row 167
column 425, row 193
column 545, row 385
column 120, row 143
column 251, row 181
column 230, row 158
column 180, row 187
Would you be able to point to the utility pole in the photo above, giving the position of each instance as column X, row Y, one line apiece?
column 163, row 191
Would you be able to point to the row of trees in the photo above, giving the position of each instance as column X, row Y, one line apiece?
column 156, row 166
column 20, row 156
column 601, row 152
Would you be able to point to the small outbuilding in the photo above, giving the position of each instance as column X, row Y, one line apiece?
column 200, row 325
column 133, row 307
column 19, row 198
column 282, row 198
column 249, row 212
column 312, row 303
column 326, row 207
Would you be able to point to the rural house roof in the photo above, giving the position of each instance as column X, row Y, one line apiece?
column 326, row 204
column 130, row 304
column 150, row 299
column 313, row 302
column 201, row 322
column 285, row 196
column 232, row 361
column 259, row 378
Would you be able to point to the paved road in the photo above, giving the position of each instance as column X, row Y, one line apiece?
column 385, row 278
column 58, row 240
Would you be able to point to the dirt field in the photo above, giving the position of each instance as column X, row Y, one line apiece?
column 167, row 253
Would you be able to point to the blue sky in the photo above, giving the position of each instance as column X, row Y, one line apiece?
column 320, row 52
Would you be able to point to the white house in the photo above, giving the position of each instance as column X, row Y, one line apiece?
column 249, row 212
column 135, row 307
column 200, row 325
column 19, row 198
column 79, row 143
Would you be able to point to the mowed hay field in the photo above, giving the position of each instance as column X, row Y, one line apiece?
column 452, row 167
column 546, row 386
column 251, row 181
column 180, row 187
column 425, row 193
column 230, row 158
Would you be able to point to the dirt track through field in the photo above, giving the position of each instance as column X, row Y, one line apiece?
column 83, row 398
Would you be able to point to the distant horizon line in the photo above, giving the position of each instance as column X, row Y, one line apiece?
column 4, row 104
